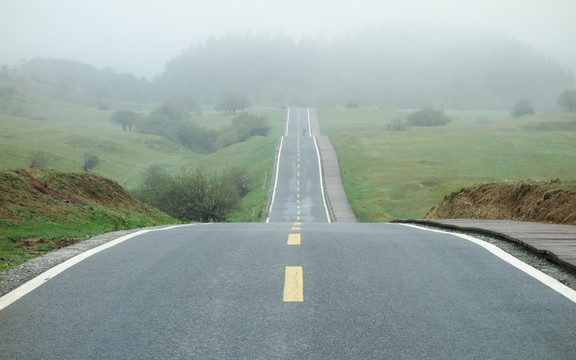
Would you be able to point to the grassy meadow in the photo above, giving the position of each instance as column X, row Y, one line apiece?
column 401, row 174
column 66, row 132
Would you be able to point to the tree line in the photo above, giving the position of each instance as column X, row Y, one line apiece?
column 172, row 120
column 391, row 67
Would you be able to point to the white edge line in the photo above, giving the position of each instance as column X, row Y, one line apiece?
column 321, row 180
column 535, row 273
column 309, row 127
column 32, row 284
column 276, row 179
column 287, row 122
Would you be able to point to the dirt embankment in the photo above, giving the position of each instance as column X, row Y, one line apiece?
column 551, row 202
column 52, row 196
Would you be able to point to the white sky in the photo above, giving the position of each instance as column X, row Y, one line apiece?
column 140, row 36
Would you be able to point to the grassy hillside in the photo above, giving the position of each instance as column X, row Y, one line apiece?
column 41, row 210
column 403, row 174
column 67, row 131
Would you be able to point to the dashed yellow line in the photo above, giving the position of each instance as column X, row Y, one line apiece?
column 293, row 284
column 294, row 239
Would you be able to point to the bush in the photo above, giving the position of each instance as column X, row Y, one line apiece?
column 398, row 124
column 428, row 117
column 521, row 108
column 352, row 105
column 40, row 159
column 91, row 160
column 196, row 197
column 125, row 118
column 240, row 178
column 567, row 99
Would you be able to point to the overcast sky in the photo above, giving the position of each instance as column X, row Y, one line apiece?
column 140, row 36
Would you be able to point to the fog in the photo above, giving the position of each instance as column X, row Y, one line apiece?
column 139, row 37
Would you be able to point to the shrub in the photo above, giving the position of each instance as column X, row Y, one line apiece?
column 567, row 99
column 521, row 108
column 428, row 117
column 352, row 105
column 91, row 160
column 40, row 159
column 195, row 197
column 398, row 124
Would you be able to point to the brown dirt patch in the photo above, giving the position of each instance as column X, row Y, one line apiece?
column 552, row 202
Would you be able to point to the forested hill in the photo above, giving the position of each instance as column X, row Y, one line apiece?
column 74, row 81
column 394, row 68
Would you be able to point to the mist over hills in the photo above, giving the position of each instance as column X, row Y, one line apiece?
column 397, row 68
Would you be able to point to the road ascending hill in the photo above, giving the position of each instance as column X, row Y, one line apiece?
column 292, row 289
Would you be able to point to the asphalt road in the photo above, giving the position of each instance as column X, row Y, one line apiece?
column 370, row 291
column 298, row 188
column 291, row 289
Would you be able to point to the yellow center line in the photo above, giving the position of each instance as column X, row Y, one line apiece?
column 297, row 224
column 295, row 228
column 294, row 239
column 293, row 284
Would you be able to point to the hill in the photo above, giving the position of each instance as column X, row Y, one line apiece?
column 393, row 68
column 42, row 210
column 538, row 201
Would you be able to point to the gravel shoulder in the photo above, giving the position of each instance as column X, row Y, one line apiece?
column 15, row 277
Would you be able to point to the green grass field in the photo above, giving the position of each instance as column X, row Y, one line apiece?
column 387, row 174
column 66, row 132
column 401, row 174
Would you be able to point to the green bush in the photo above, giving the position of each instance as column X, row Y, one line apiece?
column 521, row 108
column 195, row 197
column 398, row 124
column 428, row 117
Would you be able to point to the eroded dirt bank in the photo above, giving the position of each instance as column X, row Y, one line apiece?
column 551, row 202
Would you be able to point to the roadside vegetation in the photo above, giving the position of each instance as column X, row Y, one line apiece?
column 402, row 174
column 43, row 210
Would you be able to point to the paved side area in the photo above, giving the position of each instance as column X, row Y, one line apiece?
column 340, row 207
column 557, row 242
column 13, row 278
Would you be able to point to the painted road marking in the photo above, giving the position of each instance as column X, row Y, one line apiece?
column 294, row 239
column 296, row 228
column 293, row 284
column 297, row 224
column 56, row 270
column 536, row 274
